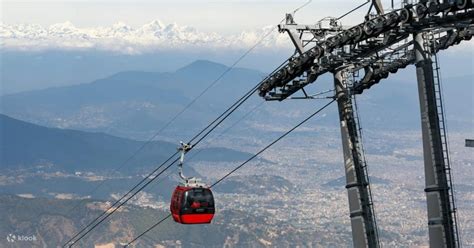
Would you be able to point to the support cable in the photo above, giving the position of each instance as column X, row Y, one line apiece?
column 225, row 114
column 356, row 8
column 194, row 155
column 246, row 96
column 211, row 127
column 112, row 209
column 239, row 166
column 134, row 154
column 227, row 129
column 302, row 6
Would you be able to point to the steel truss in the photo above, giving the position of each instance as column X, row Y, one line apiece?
column 383, row 44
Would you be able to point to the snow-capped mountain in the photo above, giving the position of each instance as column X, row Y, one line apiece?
column 123, row 38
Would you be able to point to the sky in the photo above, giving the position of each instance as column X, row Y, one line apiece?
column 211, row 16
column 221, row 31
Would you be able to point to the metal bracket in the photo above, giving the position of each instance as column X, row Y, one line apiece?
column 184, row 148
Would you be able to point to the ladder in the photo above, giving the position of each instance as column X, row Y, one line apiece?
column 445, row 144
column 452, row 221
column 351, row 79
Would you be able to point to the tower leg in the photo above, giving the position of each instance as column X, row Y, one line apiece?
column 440, row 222
column 364, row 230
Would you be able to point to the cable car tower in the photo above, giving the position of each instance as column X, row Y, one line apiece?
column 360, row 57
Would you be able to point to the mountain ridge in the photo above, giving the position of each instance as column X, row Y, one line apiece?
column 200, row 65
column 26, row 145
column 125, row 39
column 115, row 103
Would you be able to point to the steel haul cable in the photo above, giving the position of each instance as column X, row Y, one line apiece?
column 221, row 134
column 113, row 208
column 225, row 114
column 239, row 166
column 91, row 226
column 134, row 154
column 245, row 97
column 227, row 129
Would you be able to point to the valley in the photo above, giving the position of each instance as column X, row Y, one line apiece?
column 61, row 148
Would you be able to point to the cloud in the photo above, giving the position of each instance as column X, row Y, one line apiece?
column 122, row 38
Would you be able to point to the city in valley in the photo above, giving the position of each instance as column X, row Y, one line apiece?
column 294, row 189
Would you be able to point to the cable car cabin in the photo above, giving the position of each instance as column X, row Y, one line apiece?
column 192, row 205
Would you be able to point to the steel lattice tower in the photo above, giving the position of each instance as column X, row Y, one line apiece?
column 383, row 44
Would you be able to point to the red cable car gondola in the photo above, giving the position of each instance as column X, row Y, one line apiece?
column 192, row 205
column 192, row 202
